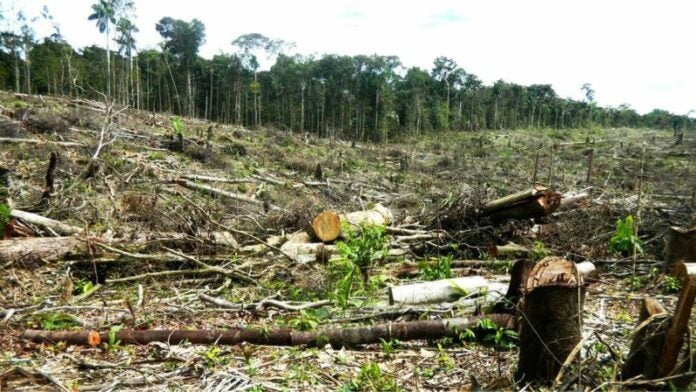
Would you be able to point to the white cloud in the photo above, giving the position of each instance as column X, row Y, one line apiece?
column 634, row 52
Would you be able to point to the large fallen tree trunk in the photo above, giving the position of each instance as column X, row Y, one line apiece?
column 217, row 192
column 552, row 318
column 681, row 247
column 56, row 226
column 327, row 225
column 39, row 248
column 532, row 203
column 337, row 337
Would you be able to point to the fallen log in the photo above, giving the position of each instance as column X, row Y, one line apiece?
column 508, row 251
column 39, row 142
column 217, row 192
column 378, row 216
column 572, row 199
column 327, row 226
column 552, row 318
column 533, row 203
column 435, row 291
column 680, row 247
column 648, row 338
column 336, row 337
column 56, row 226
column 39, row 248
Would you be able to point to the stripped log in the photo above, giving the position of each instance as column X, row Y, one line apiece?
column 533, row 203
column 56, row 226
column 39, row 248
column 508, row 251
column 378, row 216
column 552, row 326
column 436, row 291
column 217, row 192
column 40, row 142
column 572, row 199
column 680, row 320
column 648, row 338
column 337, row 337
column 680, row 247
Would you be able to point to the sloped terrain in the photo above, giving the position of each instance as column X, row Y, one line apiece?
column 153, row 241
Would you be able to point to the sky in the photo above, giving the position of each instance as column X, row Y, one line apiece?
column 639, row 53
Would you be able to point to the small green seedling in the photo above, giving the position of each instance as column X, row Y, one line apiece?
column 625, row 240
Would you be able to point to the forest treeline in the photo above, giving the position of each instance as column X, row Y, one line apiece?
column 360, row 97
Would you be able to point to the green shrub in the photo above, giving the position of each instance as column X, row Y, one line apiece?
column 625, row 240
column 4, row 217
column 442, row 269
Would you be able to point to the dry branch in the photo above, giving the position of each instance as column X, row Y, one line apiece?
column 337, row 337
column 56, row 226
column 217, row 192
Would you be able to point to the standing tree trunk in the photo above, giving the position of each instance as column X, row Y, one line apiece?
column 552, row 318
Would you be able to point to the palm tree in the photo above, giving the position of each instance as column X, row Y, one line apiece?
column 126, row 44
column 104, row 12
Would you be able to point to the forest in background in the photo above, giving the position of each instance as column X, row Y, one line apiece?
column 364, row 97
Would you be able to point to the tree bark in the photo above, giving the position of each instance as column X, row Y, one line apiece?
column 681, row 247
column 648, row 338
column 680, row 322
column 552, row 322
column 533, row 203
column 337, row 337
column 38, row 248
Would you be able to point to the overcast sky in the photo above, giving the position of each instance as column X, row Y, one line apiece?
column 635, row 52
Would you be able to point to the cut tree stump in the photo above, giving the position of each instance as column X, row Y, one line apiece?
column 337, row 337
column 680, row 247
column 552, row 318
column 648, row 338
column 327, row 226
column 680, row 320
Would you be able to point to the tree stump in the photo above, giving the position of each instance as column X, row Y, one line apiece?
column 648, row 337
column 551, row 325
column 681, row 247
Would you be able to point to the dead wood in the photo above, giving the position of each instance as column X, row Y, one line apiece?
column 218, row 192
column 39, row 248
column 680, row 248
column 39, row 142
column 50, row 173
column 648, row 338
column 508, row 251
column 436, row 291
column 680, row 322
column 52, row 225
column 533, row 203
column 327, row 226
column 552, row 318
column 336, row 337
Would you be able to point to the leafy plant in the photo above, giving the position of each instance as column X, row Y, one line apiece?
column 633, row 282
column 502, row 337
column 82, row 286
column 212, row 356
column 388, row 347
column 113, row 344
column 358, row 252
column 370, row 378
column 625, row 240
column 670, row 285
column 441, row 269
column 178, row 126
column 4, row 216
column 446, row 362
column 308, row 319
column 56, row 321
column 539, row 251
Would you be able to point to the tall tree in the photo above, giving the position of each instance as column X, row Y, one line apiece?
column 125, row 39
column 104, row 13
column 182, row 40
